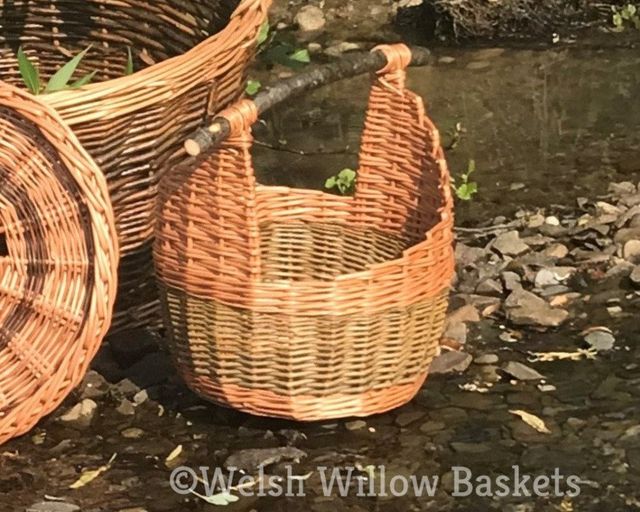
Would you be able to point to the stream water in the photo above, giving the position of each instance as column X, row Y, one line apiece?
column 544, row 127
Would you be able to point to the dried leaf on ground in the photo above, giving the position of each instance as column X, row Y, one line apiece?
column 89, row 476
column 533, row 421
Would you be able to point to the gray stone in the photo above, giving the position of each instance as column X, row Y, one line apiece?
column 407, row 418
column 557, row 251
column 626, row 235
column 526, row 308
column 509, row 244
column 132, row 433
column 600, row 340
column 487, row 359
column 478, row 64
column 81, row 415
column 457, row 332
column 521, row 371
column 53, row 506
column 631, row 251
column 126, row 408
column 355, row 425
column 470, row 447
column 512, row 281
column 310, row 20
column 451, row 362
column 635, row 276
column 553, row 276
column 431, row 427
column 490, row 287
column 94, row 386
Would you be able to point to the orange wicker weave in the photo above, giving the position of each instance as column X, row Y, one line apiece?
column 58, row 261
column 301, row 304
column 191, row 56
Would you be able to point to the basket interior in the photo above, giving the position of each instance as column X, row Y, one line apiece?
column 51, row 32
column 305, row 251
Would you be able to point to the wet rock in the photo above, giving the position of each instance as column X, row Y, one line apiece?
column 510, row 244
column 622, row 269
column 557, row 251
column 450, row 362
column 553, row 276
column 600, row 340
column 431, row 427
column 132, row 433
column 490, row 287
column 53, row 506
column 626, row 235
column 512, row 281
column 352, row 426
column 81, row 415
column 521, row 371
column 250, row 460
column 468, row 313
column 310, row 20
column 576, row 423
column 457, row 332
column 526, row 308
column 126, row 408
column 635, row 276
column 446, row 60
column 125, row 388
column 467, row 256
column 631, row 251
column 470, row 447
column 487, row 359
column 407, row 418
column 94, row 386
column 478, row 65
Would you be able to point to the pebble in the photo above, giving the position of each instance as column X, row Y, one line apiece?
column 310, row 20
column 600, row 340
column 478, row 65
column 512, row 281
column 407, row 418
column 510, row 244
column 631, row 251
column 547, row 388
column 81, row 415
column 451, row 362
column 558, row 251
column 487, row 359
column 126, row 408
column 132, row 433
column 355, row 425
column 446, row 60
column 521, row 371
column 525, row 308
column 635, row 276
column 552, row 221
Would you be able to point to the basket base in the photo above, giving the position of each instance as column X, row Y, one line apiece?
column 306, row 408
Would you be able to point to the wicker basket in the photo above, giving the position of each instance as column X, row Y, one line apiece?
column 192, row 55
column 58, row 261
column 301, row 304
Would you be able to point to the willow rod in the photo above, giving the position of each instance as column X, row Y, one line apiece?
column 208, row 137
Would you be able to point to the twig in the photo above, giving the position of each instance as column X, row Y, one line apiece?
column 349, row 66
column 300, row 152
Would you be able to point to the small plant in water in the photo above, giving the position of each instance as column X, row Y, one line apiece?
column 344, row 182
column 59, row 81
column 467, row 189
column 626, row 16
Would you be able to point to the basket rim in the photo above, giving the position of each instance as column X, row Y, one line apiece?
column 158, row 78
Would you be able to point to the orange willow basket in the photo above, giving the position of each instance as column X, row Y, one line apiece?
column 302, row 304
column 58, row 260
column 191, row 56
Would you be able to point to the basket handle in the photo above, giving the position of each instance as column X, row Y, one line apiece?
column 383, row 59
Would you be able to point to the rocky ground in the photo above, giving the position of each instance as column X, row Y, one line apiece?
column 539, row 368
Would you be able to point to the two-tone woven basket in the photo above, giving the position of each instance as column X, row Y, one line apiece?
column 302, row 304
column 58, row 260
column 191, row 58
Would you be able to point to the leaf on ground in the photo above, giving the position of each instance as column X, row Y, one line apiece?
column 174, row 454
column 89, row 476
column 533, row 421
column 220, row 500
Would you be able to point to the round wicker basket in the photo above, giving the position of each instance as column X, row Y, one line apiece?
column 190, row 58
column 302, row 304
column 58, row 261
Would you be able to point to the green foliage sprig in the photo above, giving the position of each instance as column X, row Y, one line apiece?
column 344, row 182
column 625, row 16
column 467, row 189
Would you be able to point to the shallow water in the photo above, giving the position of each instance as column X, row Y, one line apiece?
column 544, row 127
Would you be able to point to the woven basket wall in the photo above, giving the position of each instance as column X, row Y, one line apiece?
column 301, row 304
column 191, row 56
column 58, row 261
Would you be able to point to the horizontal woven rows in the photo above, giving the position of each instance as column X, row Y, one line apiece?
column 294, row 356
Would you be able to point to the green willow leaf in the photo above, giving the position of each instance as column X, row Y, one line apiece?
column 29, row 72
column 61, row 78
column 129, row 69
column 83, row 81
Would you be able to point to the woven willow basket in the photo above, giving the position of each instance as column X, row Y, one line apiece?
column 58, row 261
column 192, row 56
column 301, row 304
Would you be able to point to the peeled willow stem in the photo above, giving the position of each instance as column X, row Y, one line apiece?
column 354, row 64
